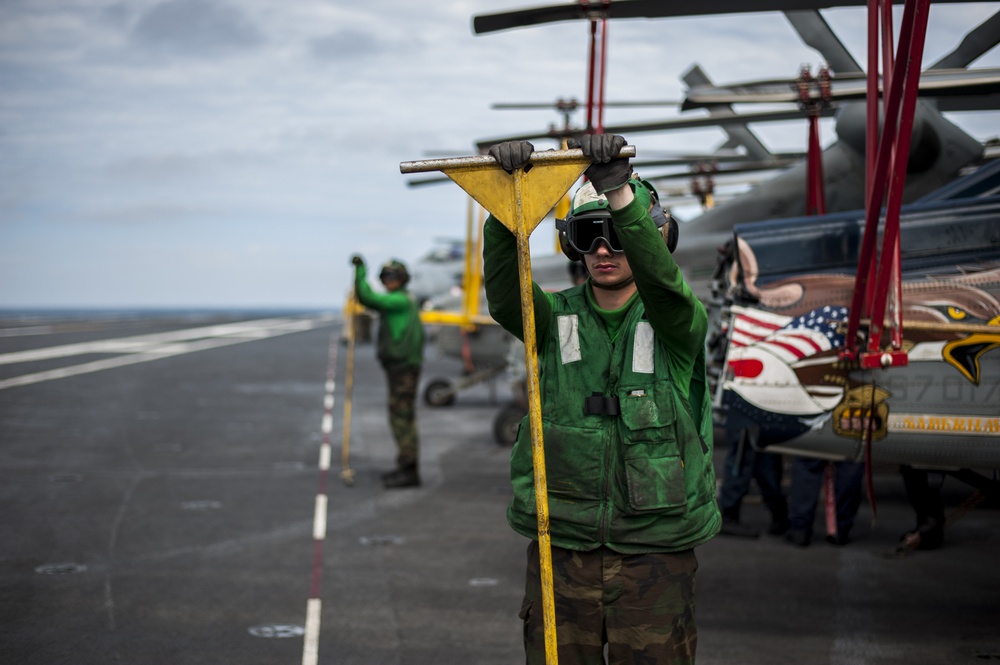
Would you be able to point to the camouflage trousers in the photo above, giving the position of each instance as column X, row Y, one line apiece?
column 403, row 384
column 640, row 605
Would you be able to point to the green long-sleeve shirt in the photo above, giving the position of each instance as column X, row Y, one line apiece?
column 401, row 333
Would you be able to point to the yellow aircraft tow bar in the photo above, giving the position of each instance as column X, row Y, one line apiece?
column 520, row 201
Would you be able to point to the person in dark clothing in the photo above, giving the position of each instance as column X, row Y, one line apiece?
column 400, row 351
column 929, row 506
column 807, row 479
column 745, row 464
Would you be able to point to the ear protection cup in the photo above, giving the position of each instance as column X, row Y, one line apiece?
column 671, row 233
column 564, row 245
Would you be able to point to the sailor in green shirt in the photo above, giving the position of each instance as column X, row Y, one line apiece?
column 400, row 350
column 626, row 420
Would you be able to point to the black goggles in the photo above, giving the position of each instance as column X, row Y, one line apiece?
column 585, row 233
column 390, row 274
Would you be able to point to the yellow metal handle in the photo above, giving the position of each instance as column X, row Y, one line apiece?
column 485, row 161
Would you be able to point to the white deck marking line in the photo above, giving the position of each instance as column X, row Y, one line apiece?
column 319, row 517
column 27, row 330
column 146, row 348
column 310, row 650
column 314, row 605
column 258, row 329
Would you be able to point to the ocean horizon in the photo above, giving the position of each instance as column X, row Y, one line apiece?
column 23, row 314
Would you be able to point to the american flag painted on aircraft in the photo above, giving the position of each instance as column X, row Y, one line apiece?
column 765, row 349
column 790, row 339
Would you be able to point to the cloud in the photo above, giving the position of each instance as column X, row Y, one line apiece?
column 196, row 28
column 137, row 129
column 155, row 213
column 346, row 45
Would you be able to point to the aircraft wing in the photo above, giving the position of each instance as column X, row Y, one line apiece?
column 647, row 9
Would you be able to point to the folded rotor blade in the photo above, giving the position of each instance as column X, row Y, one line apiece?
column 933, row 83
column 816, row 32
column 646, row 9
column 779, row 160
column 980, row 40
column 661, row 125
column 740, row 135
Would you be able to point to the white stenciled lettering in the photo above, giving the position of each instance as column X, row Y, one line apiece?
column 924, row 424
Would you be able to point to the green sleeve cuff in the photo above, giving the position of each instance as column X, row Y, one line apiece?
column 634, row 211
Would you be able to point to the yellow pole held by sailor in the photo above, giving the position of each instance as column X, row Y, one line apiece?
column 353, row 309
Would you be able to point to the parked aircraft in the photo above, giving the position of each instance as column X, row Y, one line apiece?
column 439, row 271
column 940, row 151
column 786, row 384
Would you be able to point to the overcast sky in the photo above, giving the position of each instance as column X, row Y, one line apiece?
column 224, row 153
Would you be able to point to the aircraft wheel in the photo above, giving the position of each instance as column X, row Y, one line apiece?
column 506, row 423
column 439, row 393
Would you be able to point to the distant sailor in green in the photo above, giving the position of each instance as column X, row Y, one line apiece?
column 626, row 420
column 401, row 352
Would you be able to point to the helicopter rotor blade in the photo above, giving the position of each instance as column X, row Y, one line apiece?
column 423, row 182
column 816, row 32
column 739, row 135
column 980, row 40
column 572, row 105
column 663, row 125
column 521, row 18
column 933, row 83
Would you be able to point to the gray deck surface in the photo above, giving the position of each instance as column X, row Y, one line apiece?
column 162, row 512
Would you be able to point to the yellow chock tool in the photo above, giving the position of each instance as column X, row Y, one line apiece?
column 520, row 200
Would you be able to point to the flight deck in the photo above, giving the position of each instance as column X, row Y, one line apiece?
column 171, row 492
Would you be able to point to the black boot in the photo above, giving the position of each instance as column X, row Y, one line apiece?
column 405, row 476
column 732, row 527
column 841, row 538
column 927, row 536
column 778, row 526
column 798, row 537
column 779, row 517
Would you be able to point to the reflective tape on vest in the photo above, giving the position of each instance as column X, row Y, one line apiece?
column 644, row 343
column 569, row 338
column 642, row 348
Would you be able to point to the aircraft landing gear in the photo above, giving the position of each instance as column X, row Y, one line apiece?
column 442, row 392
column 439, row 392
column 506, row 424
column 508, row 420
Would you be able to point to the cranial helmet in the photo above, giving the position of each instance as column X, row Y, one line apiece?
column 588, row 204
column 394, row 269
